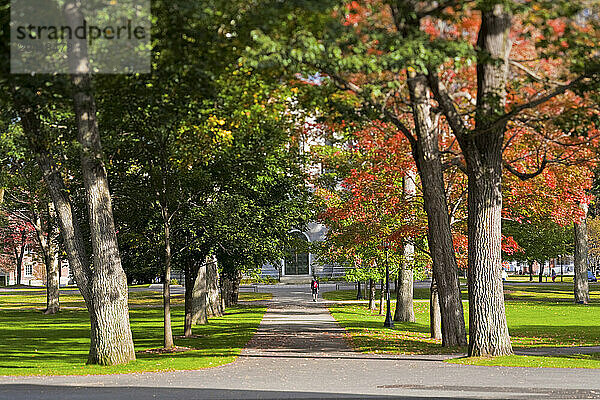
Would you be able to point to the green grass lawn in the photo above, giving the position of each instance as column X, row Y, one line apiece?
column 535, row 292
column 346, row 295
column 547, row 292
column 543, row 315
column 525, row 278
column 574, row 361
column 37, row 344
column 37, row 299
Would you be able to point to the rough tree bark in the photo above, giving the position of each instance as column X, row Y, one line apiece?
column 445, row 267
column 19, row 253
column 381, row 295
column 488, row 330
column 358, row 291
column 52, row 281
column 226, row 290
column 47, row 235
column 581, row 288
column 404, row 299
column 404, row 291
column 110, row 340
column 195, row 297
column 435, row 318
column 214, row 304
column 167, row 329
column 230, row 288
column 425, row 150
column 111, row 333
column 372, row 289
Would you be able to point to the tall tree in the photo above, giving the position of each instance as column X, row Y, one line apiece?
column 376, row 44
column 36, row 100
column 362, row 55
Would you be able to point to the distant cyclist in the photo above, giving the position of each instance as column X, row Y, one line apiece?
column 314, row 285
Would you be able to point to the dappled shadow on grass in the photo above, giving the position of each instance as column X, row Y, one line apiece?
column 400, row 344
column 541, row 292
column 553, row 323
column 531, row 323
column 548, row 335
column 535, row 361
column 549, row 303
column 350, row 295
column 39, row 342
column 367, row 334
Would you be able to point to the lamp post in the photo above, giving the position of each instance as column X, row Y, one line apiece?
column 389, row 323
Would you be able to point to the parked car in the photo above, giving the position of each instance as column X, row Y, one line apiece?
column 591, row 277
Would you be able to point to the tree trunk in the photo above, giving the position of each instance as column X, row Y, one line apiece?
column 445, row 267
column 53, row 282
column 488, row 330
column 226, row 288
column 195, row 297
column 167, row 326
column 231, row 285
column 381, row 295
column 105, row 289
column 47, row 236
column 404, row 298
column 214, row 307
column 404, row 290
column 487, row 321
column 110, row 337
column 19, row 253
column 358, row 291
column 435, row 318
column 111, row 340
column 541, row 271
column 235, row 293
column 531, row 271
column 371, row 295
column 581, row 287
column 52, row 264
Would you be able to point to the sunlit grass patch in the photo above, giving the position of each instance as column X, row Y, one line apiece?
column 37, row 344
column 542, row 322
column 573, row 361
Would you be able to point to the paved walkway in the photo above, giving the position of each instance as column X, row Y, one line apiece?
column 299, row 351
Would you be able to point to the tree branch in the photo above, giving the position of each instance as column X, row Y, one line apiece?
column 447, row 106
column 526, row 175
column 534, row 103
column 533, row 75
column 435, row 7
column 344, row 84
column 454, row 162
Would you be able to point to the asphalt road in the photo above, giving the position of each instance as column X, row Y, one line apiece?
column 299, row 351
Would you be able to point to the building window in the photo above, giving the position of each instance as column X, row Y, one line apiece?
column 28, row 269
column 297, row 259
